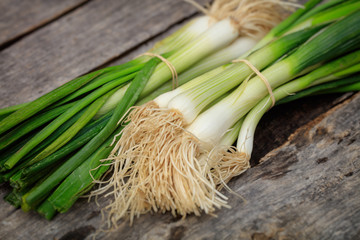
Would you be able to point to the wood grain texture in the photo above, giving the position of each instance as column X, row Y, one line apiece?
column 88, row 37
column 304, row 189
column 20, row 17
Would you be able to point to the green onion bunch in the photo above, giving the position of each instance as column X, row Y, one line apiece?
column 51, row 148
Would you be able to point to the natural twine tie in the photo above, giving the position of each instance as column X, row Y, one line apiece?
column 170, row 66
column 261, row 76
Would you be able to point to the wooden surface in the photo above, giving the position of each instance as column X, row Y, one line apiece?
column 305, row 188
column 19, row 17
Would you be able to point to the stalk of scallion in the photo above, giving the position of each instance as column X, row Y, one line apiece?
column 6, row 154
column 348, row 88
column 323, row 6
column 310, row 17
column 246, row 135
column 14, row 198
column 84, row 136
column 8, row 110
column 46, row 209
column 282, row 27
column 328, row 15
column 187, row 33
column 347, row 84
column 31, row 124
column 81, row 179
column 126, row 75
column 75, row 128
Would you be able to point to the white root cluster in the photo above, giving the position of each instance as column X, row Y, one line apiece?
column 155, row 167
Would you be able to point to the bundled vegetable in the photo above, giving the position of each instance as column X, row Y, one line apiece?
column 169, row 156
column 48, row 146
column 175, row 153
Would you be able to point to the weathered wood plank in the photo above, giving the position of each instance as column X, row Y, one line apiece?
column 81, row 41
column 305, row 189
column 21, row 17
column 298, row 176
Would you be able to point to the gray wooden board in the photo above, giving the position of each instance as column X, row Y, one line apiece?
column 306, row 188
column 19, row 17
column 86, row 38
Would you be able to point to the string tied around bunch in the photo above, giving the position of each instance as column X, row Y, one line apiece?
column 260, row 75
column 169, row 65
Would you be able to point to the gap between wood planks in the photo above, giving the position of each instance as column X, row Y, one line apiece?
column 42, row 24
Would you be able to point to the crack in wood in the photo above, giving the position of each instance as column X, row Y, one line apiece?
column 177, row 233
column 322, row 160
column 78, row 233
